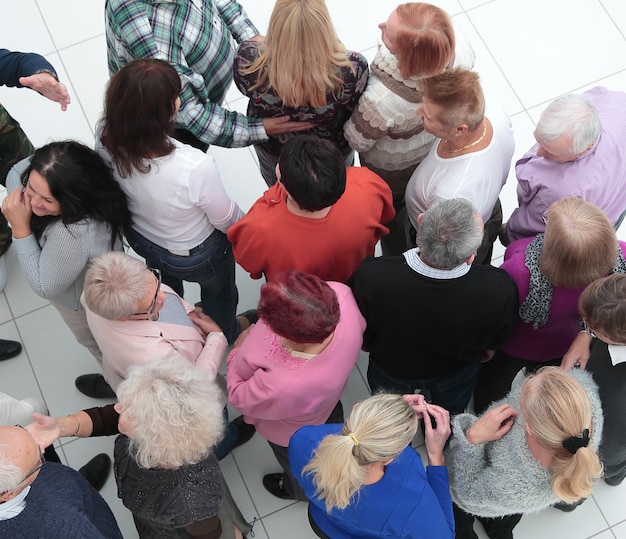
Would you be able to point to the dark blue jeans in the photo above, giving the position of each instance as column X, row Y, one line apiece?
column 223, row 447
column 211, row 264
column 452, row 392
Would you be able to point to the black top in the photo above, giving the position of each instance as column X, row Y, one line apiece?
column 611, row 380
column 423, row 328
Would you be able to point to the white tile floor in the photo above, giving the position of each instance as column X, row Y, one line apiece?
column 528, row 52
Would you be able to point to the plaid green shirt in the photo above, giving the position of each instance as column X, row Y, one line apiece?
column 196, row 37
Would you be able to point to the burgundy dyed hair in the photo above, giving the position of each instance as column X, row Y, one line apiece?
column 139, row 108
column 299, row 307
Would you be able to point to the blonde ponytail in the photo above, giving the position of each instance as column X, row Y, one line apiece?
column 558, row 411
column 378, row 430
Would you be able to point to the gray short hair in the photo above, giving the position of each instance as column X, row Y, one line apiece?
column 571, row 115
column 175, row 411
column 449, row 232
column 115, row 284
column 10, row 474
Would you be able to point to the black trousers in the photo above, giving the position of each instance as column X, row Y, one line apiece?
column 495, row 528
column 290, row 483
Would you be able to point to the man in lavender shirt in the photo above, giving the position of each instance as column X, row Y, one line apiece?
column 580, row 151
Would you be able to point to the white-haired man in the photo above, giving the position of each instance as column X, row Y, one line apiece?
column 580, row 151
column 46, row 499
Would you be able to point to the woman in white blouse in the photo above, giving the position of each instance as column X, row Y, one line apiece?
column 181, row 212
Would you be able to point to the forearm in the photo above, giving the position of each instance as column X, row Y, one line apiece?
column 48, row 275
column 213, row 124
column 14, row 65
column 77, row 424
column 235, row 17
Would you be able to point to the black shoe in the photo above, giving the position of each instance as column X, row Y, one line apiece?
column 9, row 349
column 94, row 385
column 613, row 481
column 568, row 507
column 245, row 431
column 96, row 471
column 250, row 316
column 273, row 483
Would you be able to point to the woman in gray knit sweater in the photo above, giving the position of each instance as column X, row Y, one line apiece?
column 530, row 450
column 65, row 208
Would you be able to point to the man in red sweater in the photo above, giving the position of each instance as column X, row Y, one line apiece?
column 318, row 218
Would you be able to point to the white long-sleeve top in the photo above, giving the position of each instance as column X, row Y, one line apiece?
column 180, row 201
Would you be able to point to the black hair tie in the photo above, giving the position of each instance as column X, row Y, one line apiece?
column 574, row 443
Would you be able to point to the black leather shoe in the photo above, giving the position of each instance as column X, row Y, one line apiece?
column 273, row 483
column 245, row 431
column 613, row 481
column 251, row 316
column 94, row 385
column 97, row 470
column 568, row 507
column 9, row 349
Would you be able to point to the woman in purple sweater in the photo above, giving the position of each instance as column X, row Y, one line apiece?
column 551, row 270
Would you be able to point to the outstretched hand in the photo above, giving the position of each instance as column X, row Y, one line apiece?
column 492, row 425
column 45, row 430
column 49, row 87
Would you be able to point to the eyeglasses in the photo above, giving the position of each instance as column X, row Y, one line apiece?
column 152, row 309
column 589, row 330
column 42, row 461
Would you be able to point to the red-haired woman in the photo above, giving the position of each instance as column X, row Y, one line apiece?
column 418, row 40
column 290, row 369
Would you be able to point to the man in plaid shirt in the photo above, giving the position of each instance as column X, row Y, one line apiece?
column 196, row 38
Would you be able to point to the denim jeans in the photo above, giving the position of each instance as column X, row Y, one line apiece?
column 452, row 392
column 211, row 264
column 223, row 447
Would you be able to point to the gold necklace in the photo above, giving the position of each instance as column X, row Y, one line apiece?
column 470, row 145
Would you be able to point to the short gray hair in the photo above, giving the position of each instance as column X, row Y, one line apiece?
column 174, row 410
column 449, row 232
column 10, row 474
column 115, row 284
column 571, row 115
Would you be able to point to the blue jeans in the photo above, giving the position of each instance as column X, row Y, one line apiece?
column 452, row 392
column 211, row 264
column 223, row 447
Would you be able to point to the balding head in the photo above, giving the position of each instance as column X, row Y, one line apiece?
column 19, row 456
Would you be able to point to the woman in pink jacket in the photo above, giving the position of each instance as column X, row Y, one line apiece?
column 291, row 367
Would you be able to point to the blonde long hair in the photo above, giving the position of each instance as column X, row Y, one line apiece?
column 580, row 244
column 301, row 54
column 378, row 430
column 556, row 408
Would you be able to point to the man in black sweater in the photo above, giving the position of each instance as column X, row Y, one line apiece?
column 432, row 316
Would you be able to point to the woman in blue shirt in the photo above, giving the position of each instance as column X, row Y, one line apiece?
column 364, row 481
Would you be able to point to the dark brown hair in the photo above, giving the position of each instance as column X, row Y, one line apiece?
column 138, row 113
